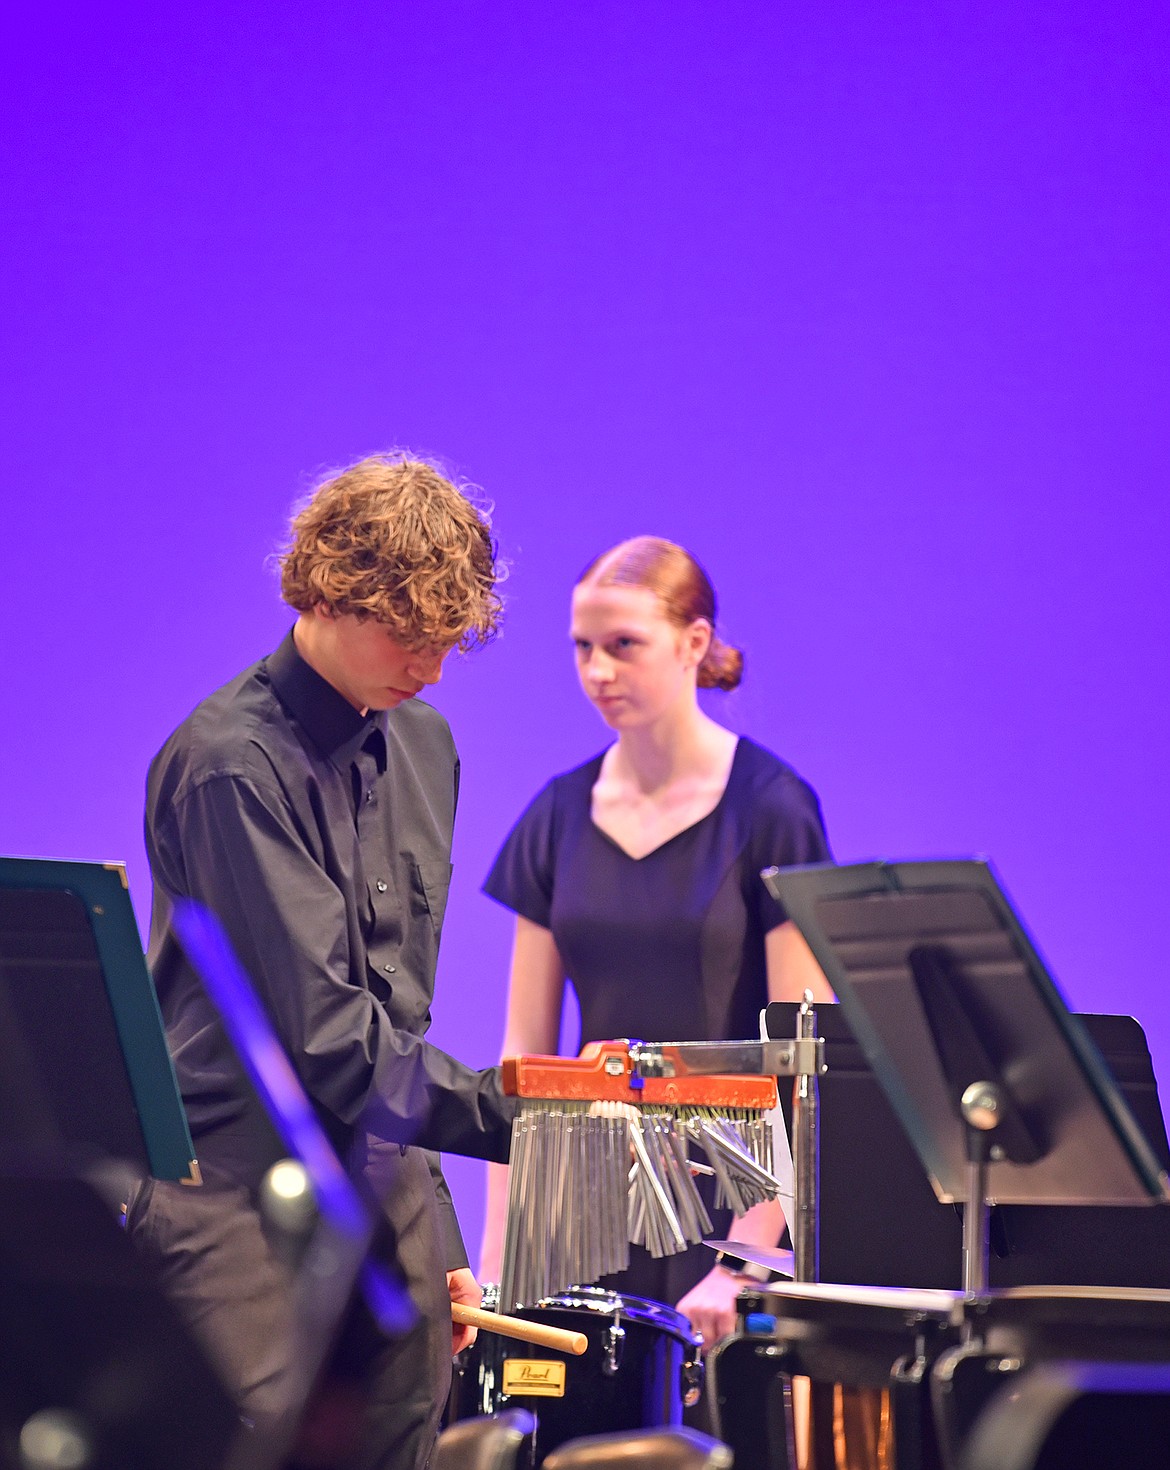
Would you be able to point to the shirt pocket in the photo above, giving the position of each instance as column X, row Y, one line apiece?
column 432, row 882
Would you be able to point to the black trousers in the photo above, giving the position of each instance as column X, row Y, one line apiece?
column 380, row 1401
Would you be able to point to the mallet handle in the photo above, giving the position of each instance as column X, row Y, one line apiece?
column 536, row 1332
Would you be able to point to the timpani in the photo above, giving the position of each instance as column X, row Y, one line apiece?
column 866, row 1352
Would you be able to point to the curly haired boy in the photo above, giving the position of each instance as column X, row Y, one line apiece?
column 309, row 804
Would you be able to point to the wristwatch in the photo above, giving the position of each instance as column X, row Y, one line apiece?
column 746, row 1270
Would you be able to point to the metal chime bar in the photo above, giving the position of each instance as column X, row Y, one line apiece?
column 602, row 1144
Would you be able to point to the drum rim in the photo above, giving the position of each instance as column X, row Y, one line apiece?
column 605, row 1302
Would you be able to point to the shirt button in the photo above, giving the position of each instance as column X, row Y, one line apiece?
column 369, row 797
column 389, row 969
column 381, row 886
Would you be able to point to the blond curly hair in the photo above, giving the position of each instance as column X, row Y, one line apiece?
column 392, row 538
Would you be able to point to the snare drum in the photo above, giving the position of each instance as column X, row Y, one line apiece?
column 641, row 1367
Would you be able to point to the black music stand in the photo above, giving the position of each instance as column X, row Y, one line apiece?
column 87, row 1080
column 98, row 1367
column 905, row 1237
column 96, row 1361
column 999, row 1087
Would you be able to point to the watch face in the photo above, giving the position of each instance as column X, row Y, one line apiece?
column 748, row 1272
column 758, row 1263
column 737, row 1266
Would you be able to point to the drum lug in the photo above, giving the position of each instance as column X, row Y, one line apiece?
column 693, row 1373
column 615, row 1339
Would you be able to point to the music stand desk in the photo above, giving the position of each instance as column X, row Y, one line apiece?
column 87, row 1075
column 865, row 924
column 881, row 1223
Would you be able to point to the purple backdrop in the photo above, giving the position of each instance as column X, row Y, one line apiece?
column 866, row 304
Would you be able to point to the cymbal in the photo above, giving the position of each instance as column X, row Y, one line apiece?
column 771, row 1257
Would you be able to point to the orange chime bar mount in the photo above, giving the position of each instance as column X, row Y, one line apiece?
column 608, row 1071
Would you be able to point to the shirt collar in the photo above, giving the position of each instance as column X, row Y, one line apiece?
column 326, row 716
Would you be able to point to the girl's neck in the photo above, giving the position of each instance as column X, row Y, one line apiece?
column 689, row 744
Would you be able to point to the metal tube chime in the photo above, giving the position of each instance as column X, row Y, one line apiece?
column 601, row 1155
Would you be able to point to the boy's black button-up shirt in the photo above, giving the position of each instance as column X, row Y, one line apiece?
column 321, row 838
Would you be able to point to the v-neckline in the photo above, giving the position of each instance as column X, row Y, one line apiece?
column 682, row 832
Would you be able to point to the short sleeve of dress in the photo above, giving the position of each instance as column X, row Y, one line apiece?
column 787, row 829
column 521, row 877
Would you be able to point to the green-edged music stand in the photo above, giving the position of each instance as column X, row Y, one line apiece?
column 87, row 1078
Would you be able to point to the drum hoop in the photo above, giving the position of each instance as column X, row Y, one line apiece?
column 638, row 1310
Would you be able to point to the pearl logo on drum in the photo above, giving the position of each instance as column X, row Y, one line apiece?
column 538, row 1377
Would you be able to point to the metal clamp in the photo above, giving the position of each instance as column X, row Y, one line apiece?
column 803, row 1056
